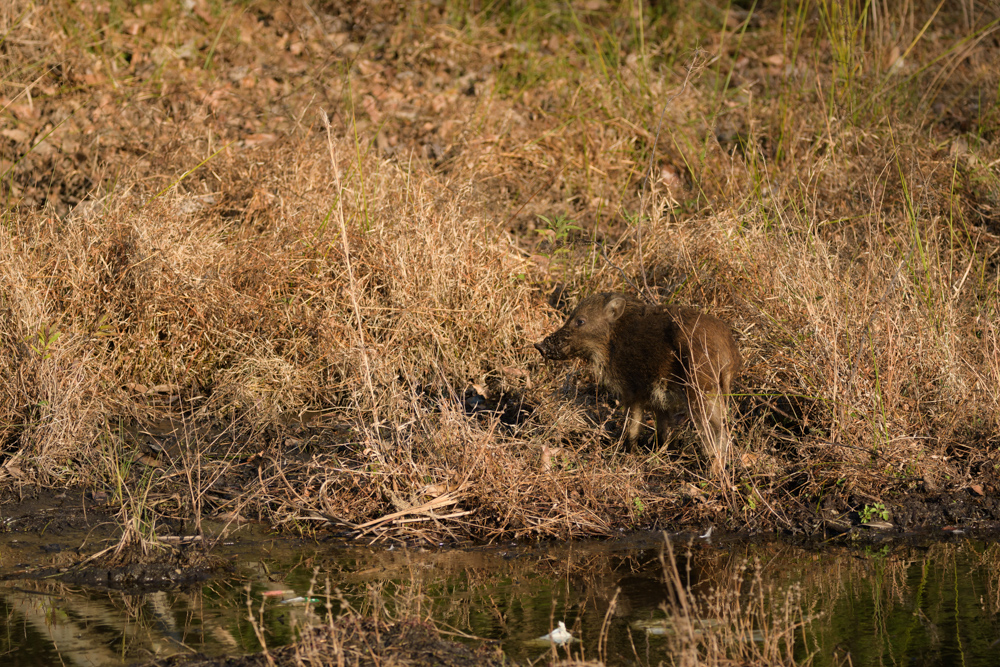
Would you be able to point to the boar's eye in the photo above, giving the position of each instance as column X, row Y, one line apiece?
column 580, row 322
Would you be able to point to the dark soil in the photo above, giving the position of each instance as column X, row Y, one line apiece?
column 75, row 538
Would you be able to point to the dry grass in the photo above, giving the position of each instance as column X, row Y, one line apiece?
column 832, row 193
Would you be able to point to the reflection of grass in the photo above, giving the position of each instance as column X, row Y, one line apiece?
column 745, row 621
column 821, row 179
column 867, row 619
column 755, row 604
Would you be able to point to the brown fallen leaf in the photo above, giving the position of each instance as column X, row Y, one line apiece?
column 148, row 461
column 15, row 135
column 163, row 389
column 259, row 139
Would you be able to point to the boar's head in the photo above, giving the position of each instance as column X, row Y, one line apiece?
column 587, row 332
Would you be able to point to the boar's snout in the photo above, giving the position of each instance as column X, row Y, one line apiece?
column 549, row 349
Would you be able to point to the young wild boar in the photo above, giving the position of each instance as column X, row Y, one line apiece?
column 655, row 358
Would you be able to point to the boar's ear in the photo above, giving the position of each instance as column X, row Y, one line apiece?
column 614, row 308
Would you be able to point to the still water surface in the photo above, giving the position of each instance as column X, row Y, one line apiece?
column 894, row 604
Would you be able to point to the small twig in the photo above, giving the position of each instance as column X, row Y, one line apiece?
column 258, row 627
column 619, row 269
column 602, row 637
column 426, row 509
column 92, row 557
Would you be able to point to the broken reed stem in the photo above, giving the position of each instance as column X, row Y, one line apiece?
column 350, row 275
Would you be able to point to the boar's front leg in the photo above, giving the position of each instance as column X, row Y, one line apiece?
column 634, row 423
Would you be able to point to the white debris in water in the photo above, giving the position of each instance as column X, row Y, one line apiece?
column 558, row 636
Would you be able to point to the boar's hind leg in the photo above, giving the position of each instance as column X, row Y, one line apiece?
column 708, row 412
column 707, row 391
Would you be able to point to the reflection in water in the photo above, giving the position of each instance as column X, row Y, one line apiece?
column 894, row 605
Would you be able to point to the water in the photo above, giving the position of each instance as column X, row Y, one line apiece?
column 895, row 604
